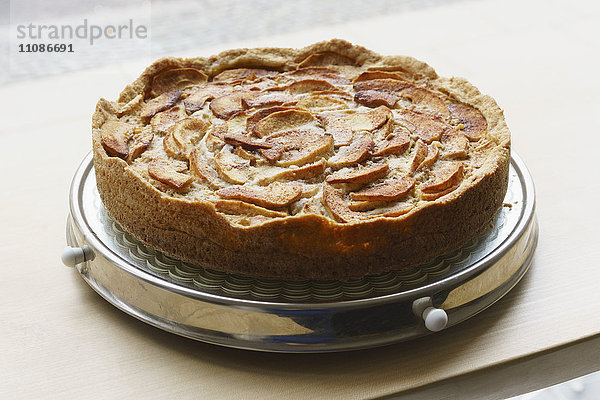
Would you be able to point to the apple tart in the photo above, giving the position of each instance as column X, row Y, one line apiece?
column 327, row 162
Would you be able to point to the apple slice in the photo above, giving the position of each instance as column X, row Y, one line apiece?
column 281, row 121
column 321, row 73
column 163, row 171
column 139, row 143
column 236, row 139
column 376, row 98
column 300, row 146
column 114, row 136
column 260, row 114
column 419, row 156
column 232, row 168
column 183, row 136
column 387, row 191
column 433, row 153
column 275, row 195
column 426, row 98
column 358, row 151
column 399, row 210
column 422, row 126
column 445, row 177
column 240, row 74
column 371, row 75
column 334, row 201
column 455, row 144
column 200, row 167
column 395, row 143
column 227, row 106
column 325, row 59
column 475, row 124
column 305, row 172
column 197, row 98
column 273, row 154
column 158, row 104
column 267, row 99
column 321, row 102
column 176, row 79
column 370, row 120
column 362, row 175
column 382, row 85
column 337, row 125
column 238, row 207
column 309, row 85
column 162, row 121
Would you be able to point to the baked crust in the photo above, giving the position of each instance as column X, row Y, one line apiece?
column 271, row 241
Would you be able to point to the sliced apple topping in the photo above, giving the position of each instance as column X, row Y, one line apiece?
column 240, row 74
column 370, row 120
column 231, row 167
column 176, row 79
column 300, row 146
column 399, row 210
column 475, row 124
column 395, row 143
column 375, row 98
column 326, row 58
column 114, row 136
column 426, row 98
column 214, row 139
column 422, row 126
column 433, row 153
column 337, row 125
column 260, row 114
column 245, row 142
column 334, row 200
column 455, row 144
column 139, row 143
column 282, row 121
column 238, row 207
column 275, row 195
column 357, row 152
column 362, row 175
column 273, row 154
column 183, row 136
column 200, row 167
column 322, row 73
column 199, row 96
column 227, row 106
column 158, row 104
column 267, row 99
column 162, row 121
column 307, row 171
column 371, row 75
column 164, row 172
column 321, row 102
column 420, row 153
column 309, row 85
column 382, row 85
column 445, row 177
column 387, row 191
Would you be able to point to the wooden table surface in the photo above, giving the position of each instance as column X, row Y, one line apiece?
column 539, row 59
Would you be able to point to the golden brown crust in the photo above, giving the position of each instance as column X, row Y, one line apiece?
column 305, row 245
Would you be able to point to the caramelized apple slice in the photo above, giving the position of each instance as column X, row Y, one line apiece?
column 305, row 172
column 371, row 120
column 475, row 124
column 214, row 139
column 114, row 136
column 163, row 171
column 424, row 127
column 321, row 102
column 387, row 191
column 455, row 144
column 282, row 121
column 375, row 98
column 355, row 153
column 238, row 207
column 300, row 146
column 309, row 85
column 158, row 104
column 325, row 58
column 433, row 153
column 366, row 205
column 236, row 139
column 267, row 99
column 162, row 121
column 232, row 168
column 260, row 114
column 361, row 176
column 196, row 100
column 446, row 177
column 427, row 99
column 240, row 74
column 200, row 167
column 183, row 136
column 371, row 75
column 382, row 85
column 273, row 154
column 275, row 195
column 334, row 201
column 139, row 143
column 176, row 79
column 395, row 143
column 399, row 210
column 337, row 126
column 321, row 73
column 420, row 154
column 227, row 106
